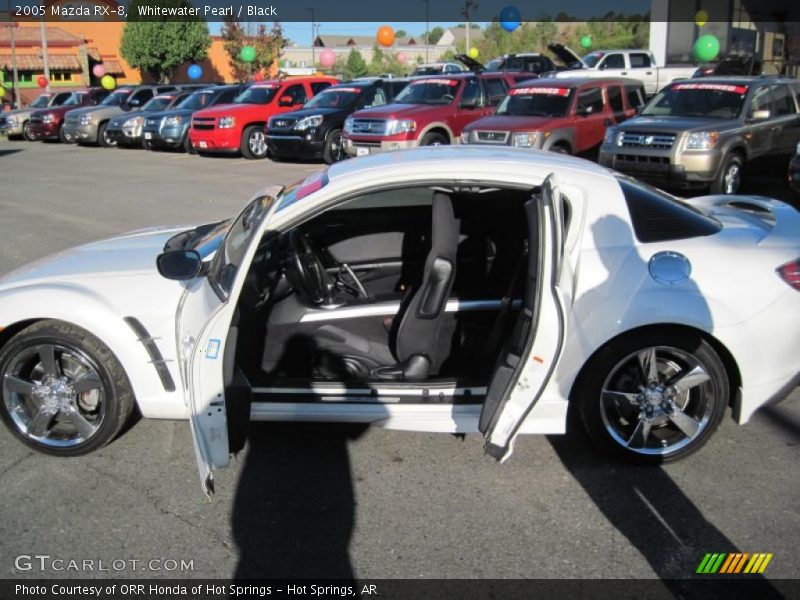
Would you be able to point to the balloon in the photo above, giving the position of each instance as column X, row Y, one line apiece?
column 401, row 57
column 258, row 76
column 327, row 58
column 247, row 54
column 510, row 18
column 195, row 72
column 108, row 82
column 2, row 91
column 385, row 35
column 98, row 70
column 41, row 81
column 586, row 41
column 701, row 17
column 473, row 53
column 706, row 48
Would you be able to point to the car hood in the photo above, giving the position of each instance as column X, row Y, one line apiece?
column 127, row 255
column 394, row 111
column 673, row 124
column 306, row 112
column 173, row 112
column 222, row 110
column 514, row 123
column 107, row 111
column 567, row 56
column 19, row 112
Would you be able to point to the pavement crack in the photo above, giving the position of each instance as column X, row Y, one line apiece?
column 17, row 462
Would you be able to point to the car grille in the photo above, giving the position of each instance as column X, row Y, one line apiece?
column 151, row 122
column 204, row 122
column 369, row 127
column 36, row 120
column 72, row 120
column 642, row 139
column 492, row 137
column 283, row 123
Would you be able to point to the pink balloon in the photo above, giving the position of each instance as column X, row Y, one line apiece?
column 401, row 57
column 98, row 70
column 327, row 58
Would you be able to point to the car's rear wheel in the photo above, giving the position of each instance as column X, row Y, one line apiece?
column 434, row 139
column 26, row 131
column 254, row 142
column 730, row 176
column 61, row 135
column 63, row 391
column 334, row 147
column 103, row 138
column 653, row 397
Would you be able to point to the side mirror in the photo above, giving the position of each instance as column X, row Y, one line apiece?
column 584, row 111
column 286, row 101
column 180, row 265
column 760, row 115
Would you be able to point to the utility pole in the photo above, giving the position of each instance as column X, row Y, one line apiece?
column 427, row 29
column 313, row 29
column 14, row 69
column 44, row 55
column 468, row 5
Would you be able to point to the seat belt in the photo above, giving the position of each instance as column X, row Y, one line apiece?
column 493, row 342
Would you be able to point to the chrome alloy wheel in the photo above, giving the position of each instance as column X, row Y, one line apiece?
column 258, row 143
column 54, row 395
column 108, row 140
column 657, row 400
column 337, row 147
column 732, row 178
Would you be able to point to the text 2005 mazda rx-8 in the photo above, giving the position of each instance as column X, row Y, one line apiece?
column 439, row 289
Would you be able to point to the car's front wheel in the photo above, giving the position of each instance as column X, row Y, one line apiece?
column 105, row 140
column 334, row 147
column 653, row 397
column 730, row 176
column 254, row 142
column 63, row 391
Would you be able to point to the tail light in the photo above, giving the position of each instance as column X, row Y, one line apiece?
column 790, row 273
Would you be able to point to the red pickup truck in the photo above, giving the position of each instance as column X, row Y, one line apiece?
column 563, row 115
column 429, row 111
column 239, row 127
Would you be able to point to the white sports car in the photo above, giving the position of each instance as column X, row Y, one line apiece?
column 440, row 289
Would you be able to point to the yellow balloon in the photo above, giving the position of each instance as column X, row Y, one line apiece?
column 108, row 82
column 2, row 91
column 473, row 52
column 701, row 17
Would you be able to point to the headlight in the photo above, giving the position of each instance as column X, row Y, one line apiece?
column 464, row 137
column 524, row 139
column 48, row 118
column 307, row 122
column 797, row 150
column 11, row 120
column 86, row 119
column 227, row 122
column 611, row 133
column 396, row 126
column 348, row 125
column 701, row 140
column 171, row 121
column 133, row 122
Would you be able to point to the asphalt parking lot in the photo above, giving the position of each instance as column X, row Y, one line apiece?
column 333, row 501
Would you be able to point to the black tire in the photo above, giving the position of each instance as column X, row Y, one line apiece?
column 187, row 145
column 334, row 150
column 254, row 143
column 61, row 136
column 101, row 136
column 114, row 403
column 720, row 185
column 26, row 132
column 434, row 139
column 608, row 370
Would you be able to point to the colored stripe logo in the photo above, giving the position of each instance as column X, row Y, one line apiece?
column 734, row 563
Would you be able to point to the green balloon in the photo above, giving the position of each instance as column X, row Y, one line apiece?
column 586, row 41
column 247, row 54
column 706, row 48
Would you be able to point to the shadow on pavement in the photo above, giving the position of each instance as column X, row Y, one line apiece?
column 10, row 151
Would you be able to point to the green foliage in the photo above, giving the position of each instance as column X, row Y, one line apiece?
column 267, row 44
column 158, row 47
column 434, row 35
column 401, row 33
column 355, row 66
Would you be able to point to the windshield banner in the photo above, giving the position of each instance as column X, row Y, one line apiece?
column 716, row 87
column 549, row 91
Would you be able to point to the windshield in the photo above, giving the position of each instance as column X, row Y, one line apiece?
column 433, row 70
column 117, row 98
column 342, row 97
column 536, row 102
column 257, row 94
column 592, row 59
column 158, row 103
column 429, row 91
column 494, row 65
column 74, row 99
column 238, row 237
column 41, row 101
column 711, row 100
column 197, row 100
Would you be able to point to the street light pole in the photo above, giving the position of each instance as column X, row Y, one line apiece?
column 313, row 28
column 427, row 29
column 469, row 4
column 14, row 69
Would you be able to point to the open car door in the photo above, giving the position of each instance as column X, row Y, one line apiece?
column 529, row 358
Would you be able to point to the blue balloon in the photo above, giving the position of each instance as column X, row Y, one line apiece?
column 195, row 72
column 510, row 18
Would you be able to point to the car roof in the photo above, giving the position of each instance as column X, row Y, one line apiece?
column 741, row 80
column 571, row 82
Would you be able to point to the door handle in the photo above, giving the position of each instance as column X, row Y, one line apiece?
column 648, row 73
column 623, row 72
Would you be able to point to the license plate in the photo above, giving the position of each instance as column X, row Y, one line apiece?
column 148, row 135
column 361, row 151
column 203, row 144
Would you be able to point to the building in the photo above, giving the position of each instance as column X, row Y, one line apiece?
column 762, row 29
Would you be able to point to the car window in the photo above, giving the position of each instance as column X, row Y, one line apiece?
column 435, row 90
column 591, row 99
column 165, row 88
column 297, row 92
column 495, row 90
column 318, row 86
column 782, row 101
column 140, row 97
column 61, row 98
column 227, row 96
column 613, row 61
column 635, row 96
column 615, row 98
column 473, row 92
column 341, row 97
column 398, row 86
column 761, row 100
column 698, row 99
column 639, row 60
column 375, row 97
column 536, row 101
column 261, row 93
column 450, row 69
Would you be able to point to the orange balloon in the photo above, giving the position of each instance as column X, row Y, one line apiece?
column 385, row 35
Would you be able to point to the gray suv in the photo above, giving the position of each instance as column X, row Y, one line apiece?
column 88, row 125
column 702, row 133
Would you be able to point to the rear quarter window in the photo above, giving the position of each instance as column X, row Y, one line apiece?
column 659, row 217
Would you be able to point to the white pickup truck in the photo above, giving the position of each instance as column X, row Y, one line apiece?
column 634, row 64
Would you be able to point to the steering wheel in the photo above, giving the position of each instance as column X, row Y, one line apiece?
column 305, row 270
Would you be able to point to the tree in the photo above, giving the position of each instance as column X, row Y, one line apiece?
column 158, row 47
column 234, row 37
column 434, row 35
column 268, row 46
column 356, row 66
column 401, row 33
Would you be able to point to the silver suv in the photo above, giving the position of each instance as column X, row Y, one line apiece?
column 702, row 133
